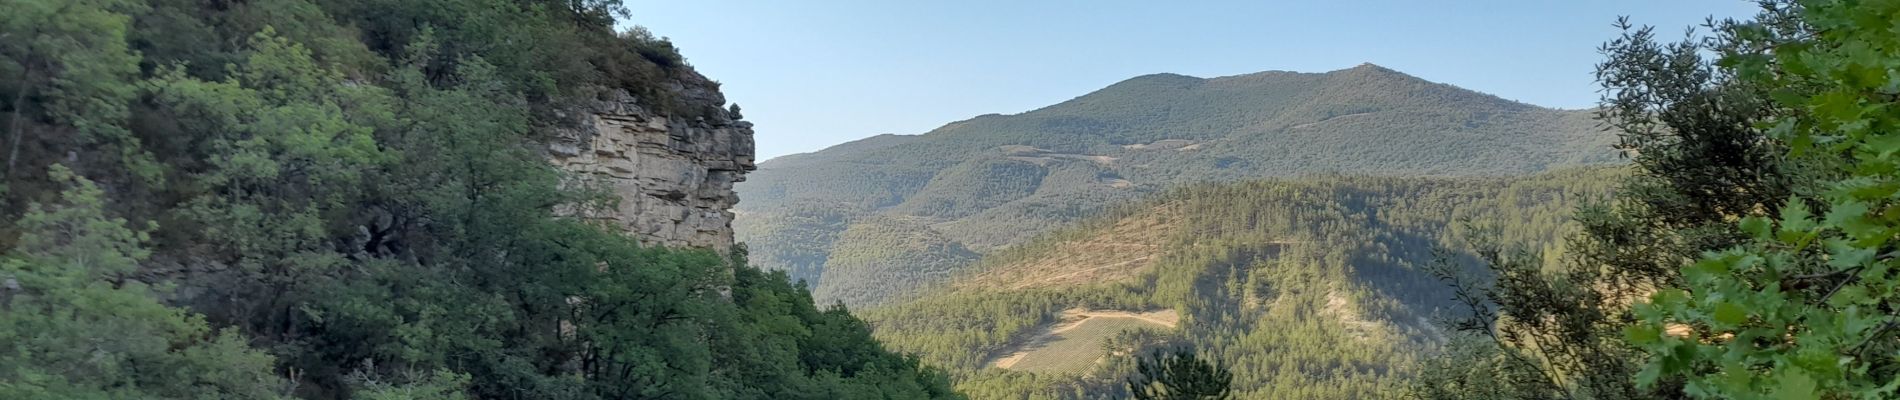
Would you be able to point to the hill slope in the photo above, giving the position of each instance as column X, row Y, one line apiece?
column 1305, row 288
column 995, row 180
column 354, row 199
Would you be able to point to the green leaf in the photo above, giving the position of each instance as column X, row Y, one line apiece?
column 1788, row 97
column 1706, row 269
column 1795, row 219
column 1648, row 376
column 1845, row 211
column 1884, row 144
column 1729, row 313
column 1851, row 294
column 1758, row 227
column 1839, row 105
column 1796, row 385
column 1643, row 334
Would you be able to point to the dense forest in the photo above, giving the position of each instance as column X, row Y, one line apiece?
column 261, row 199
column 256, row 199
column 1744, row 253
column 995, row 181
column 1302, row 288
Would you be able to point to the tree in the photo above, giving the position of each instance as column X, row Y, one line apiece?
column 1180, row 375
column 359, row 187
column 1806, row 306
column 69, row 70
column 1701, row 158
column 74, row 325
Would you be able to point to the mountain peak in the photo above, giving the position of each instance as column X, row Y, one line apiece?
column 1162, row 79
column 964, row 187
column 1370, row 69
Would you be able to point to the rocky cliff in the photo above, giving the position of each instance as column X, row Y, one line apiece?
column 673, row 174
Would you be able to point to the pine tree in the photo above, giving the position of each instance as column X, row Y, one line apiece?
column 1180, row 375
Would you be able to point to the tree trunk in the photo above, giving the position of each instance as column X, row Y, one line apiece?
column 13, row 124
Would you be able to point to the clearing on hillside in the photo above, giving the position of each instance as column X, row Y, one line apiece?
column 1075, row 343
column 1118, row 253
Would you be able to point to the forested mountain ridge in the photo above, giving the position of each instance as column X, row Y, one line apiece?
column 260, row 199
column 343, row 199
column 977, row 185
column 1308, row 288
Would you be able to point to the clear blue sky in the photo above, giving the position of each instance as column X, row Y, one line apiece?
column 814, row 73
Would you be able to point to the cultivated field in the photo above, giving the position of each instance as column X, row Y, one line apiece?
column 1075, row 344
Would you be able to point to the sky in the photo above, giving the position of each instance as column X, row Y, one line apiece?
column 814, row 73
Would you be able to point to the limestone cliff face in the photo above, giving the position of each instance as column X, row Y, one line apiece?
column 673, row 174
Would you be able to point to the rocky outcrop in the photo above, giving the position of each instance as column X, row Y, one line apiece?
column 672, row 174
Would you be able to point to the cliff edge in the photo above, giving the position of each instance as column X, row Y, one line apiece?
column 673, row 174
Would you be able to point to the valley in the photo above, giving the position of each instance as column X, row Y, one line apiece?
column 986, row 184
column 545, row 199
column 1315, row 287
column 1282, row 221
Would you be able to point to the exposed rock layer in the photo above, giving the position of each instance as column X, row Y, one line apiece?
column 673, row 174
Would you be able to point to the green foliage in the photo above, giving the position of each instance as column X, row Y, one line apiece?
column 814, row 226
column 1302, row 288
column 74, row 326
column 974, row 186
column 542, row 48
column 1565, row 327
column 1473, row 368
column 1803, row 308
column 356, row 189
column 71, row 79
column 799, row 352
column 442, row 385
column 880, row 259
column 995, row 181
column 1180, row 375
column 963, row 330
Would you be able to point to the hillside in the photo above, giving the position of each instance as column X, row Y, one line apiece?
column 1306, row 288
column 994, row 180
column 387, row 199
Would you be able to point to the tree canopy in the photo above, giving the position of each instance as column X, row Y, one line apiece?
column 1749, row 257
column 341, row 199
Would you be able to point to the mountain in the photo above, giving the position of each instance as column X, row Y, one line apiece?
column 1306, row 288
column 983, row 184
